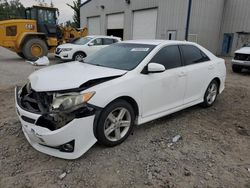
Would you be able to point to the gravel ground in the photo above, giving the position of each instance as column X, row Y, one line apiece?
column 214, row 149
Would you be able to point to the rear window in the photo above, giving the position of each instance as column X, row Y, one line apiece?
column 192, row 55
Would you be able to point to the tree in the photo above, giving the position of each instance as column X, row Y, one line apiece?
column 12, row 9
column 68, row 23
column 76, row 17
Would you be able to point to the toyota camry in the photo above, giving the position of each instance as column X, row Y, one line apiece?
column 65, row 109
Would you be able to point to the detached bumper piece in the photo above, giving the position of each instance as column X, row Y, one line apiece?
column 65, row 135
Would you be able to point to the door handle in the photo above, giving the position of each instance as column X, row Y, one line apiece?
column 210, row 67
column 182, row 74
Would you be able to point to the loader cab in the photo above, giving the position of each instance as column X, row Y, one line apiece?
column 46, row 18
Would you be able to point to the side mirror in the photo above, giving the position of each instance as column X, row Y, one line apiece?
column 91, row 44
column 155, row 68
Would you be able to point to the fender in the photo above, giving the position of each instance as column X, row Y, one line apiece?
column 21, row 38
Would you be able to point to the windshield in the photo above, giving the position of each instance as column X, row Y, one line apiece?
column 248, row 45
column 122, row 56
column 82, row 41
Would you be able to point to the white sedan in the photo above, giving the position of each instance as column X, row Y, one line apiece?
column 83, row 47
column 65, row 109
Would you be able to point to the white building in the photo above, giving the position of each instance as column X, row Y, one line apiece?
column 219, row 25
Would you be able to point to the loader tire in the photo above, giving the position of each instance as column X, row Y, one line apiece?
column 20, row 54
column 34, row 48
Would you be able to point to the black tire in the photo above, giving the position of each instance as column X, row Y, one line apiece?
column 208, row 103
column 27, row 49
column 80, row 55
column 236, row 68
column 20, row 54
column 104, row 120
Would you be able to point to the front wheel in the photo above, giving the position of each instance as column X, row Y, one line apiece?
column 79, row 56
column 34, row 48
column 211, row 94
column 116, row 123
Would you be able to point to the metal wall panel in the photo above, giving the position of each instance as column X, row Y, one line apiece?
column 171, row 15
column 205, row 23
column 236, row 19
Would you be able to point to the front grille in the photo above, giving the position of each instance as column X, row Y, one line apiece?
column 58, row 50
column 242, row 57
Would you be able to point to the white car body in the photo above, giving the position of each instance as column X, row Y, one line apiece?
column 67, row 51
column 156, row 95
column 242, row 57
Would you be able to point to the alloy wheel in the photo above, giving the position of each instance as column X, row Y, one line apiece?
column 117, row 124
column 79, row 57
column 212, row 93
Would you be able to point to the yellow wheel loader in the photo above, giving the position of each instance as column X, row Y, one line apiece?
column 38, row 34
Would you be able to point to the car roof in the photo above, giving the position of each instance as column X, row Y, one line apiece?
column 102, row 36
column 157, row 42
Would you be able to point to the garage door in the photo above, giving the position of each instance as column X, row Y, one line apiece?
column 144, row 24
column 115, row 21
column 94, row 26
column 115, row 25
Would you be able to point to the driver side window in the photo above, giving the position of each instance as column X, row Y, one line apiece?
column 97, row 42
column 168, row 56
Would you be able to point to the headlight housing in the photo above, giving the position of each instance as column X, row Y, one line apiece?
column 73, row 100
column 66, row 49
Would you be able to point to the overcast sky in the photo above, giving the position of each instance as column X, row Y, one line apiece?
column 66, row 12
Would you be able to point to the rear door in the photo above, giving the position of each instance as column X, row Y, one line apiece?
column 199, row 69
column 164, row 91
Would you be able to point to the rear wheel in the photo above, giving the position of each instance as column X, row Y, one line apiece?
column 211, row 94
column 116, row 123
column 236, row 68
column 34, row 48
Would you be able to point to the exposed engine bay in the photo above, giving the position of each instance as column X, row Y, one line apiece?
column 43, row 103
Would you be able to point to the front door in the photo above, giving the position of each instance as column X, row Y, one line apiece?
column 164, row 91
column 94, row 46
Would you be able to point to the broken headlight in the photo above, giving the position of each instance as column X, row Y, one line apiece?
column 68, row 101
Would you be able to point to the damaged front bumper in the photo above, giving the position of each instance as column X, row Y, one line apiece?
column 69, row 142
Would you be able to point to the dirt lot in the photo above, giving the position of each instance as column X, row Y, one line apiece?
column 214, row 150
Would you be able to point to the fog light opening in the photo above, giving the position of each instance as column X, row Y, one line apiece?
column 68, row 147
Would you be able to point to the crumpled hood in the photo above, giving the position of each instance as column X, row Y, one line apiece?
column 69, row 76
column 244, row 50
